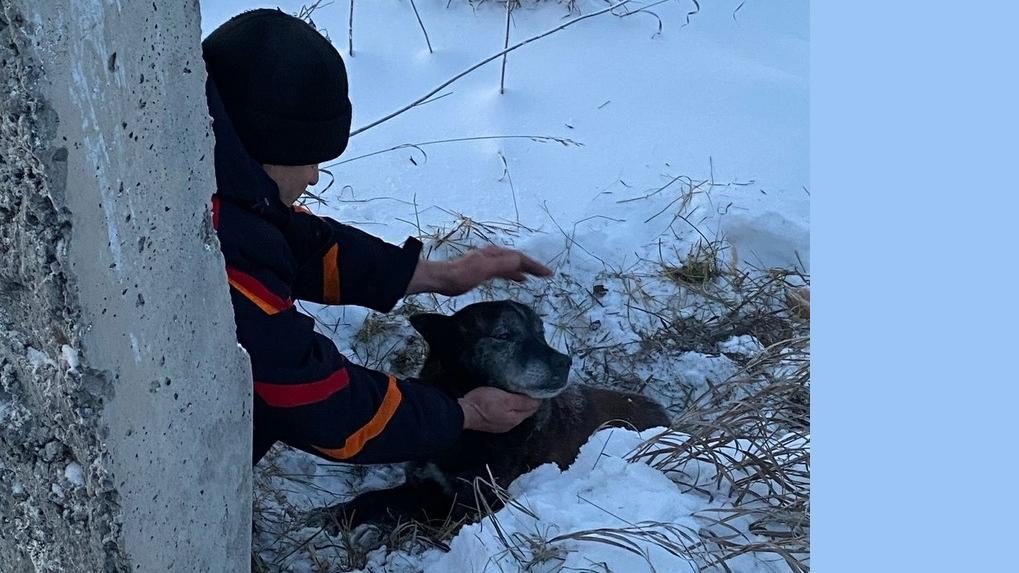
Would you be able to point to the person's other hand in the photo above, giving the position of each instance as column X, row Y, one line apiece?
column 462, row 274
column 488, row 409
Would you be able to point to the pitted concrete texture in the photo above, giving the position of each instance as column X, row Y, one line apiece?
column 125, row 401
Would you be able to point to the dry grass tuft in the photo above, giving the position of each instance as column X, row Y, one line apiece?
column 750, row 439
column 700, row 267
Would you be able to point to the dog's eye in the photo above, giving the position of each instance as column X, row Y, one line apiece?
column 502, row 335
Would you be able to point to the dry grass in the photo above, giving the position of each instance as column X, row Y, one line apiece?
column 751, row 436
column 540, row 550
column 307, row 11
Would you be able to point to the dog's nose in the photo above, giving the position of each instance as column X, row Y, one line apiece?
column 562, row 361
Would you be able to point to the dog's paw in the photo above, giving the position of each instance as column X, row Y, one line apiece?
column 367, row 537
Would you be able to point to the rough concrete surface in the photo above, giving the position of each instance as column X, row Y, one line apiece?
column 125, row 402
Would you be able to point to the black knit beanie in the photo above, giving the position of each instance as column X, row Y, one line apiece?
column 284, row 87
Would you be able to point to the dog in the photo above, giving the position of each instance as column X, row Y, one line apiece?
column 500, row 344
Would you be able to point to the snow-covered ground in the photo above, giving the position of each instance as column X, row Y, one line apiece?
column 619, row 145
column 595, row 493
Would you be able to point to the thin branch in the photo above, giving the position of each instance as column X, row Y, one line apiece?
column 422, row 24
column 737, row 10
column 350, row 31
column 485, row 61
column 306, row 11
column 502, row 80
column 537, row 138
column 509, row 178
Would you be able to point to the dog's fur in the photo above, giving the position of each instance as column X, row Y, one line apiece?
column 498, row 344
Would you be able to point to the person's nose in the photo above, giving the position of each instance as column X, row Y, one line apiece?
column 313, row 176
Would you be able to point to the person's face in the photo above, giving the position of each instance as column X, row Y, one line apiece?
column 292, row 180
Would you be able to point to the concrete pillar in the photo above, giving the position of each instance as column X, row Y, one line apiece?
column 125, row 401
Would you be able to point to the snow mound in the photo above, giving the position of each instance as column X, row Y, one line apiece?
column 558, row 518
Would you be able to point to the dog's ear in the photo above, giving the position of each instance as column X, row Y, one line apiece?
column 438, row 330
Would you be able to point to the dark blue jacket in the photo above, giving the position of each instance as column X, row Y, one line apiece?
column 307, row 394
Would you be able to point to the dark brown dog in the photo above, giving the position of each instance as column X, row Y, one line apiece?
column 498, row 344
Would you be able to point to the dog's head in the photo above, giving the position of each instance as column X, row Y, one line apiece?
column 500, row 344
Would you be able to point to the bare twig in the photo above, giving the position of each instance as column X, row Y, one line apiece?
column 509, row 178
column 422, row 24
column 536, row 138
column 737, row 10
column 350, row 31
column 491, row 58
column 502, row 80
column 307, row 10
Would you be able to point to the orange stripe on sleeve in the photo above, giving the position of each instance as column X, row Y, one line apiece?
column 331, row 275
column 355, row 443
column 266, row 307
column 256, row 292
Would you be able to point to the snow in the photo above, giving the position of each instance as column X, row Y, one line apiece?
column 74, row 474
column 600, row 490
column 38, row 358
column 743, row 345
column 70, row 356
column 697, row 133
column 701, row 369
column 596, row 491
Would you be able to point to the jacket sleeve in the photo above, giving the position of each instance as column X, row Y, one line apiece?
column 309, row 396
column 343, row 265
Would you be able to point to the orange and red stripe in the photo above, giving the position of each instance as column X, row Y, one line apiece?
column 294, row 395
column 331, row 275
column 356, row 441
column 256, row 292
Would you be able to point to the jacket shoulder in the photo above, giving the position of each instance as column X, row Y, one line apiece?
column 248, row 241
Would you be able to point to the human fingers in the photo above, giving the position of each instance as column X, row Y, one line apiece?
column 522, row 403
column 533, row 267
column 516, row 260
column 503, row 264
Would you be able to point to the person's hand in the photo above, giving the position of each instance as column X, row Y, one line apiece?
column 488, row 409
column 460, row 275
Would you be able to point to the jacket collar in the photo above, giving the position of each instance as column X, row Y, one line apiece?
column 239, row 178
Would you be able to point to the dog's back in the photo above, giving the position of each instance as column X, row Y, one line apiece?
column 554, row 434
column 577, row 413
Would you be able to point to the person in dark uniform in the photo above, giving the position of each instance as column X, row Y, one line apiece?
column 277, row 94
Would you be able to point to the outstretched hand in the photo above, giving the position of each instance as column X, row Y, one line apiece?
column 462, row 274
